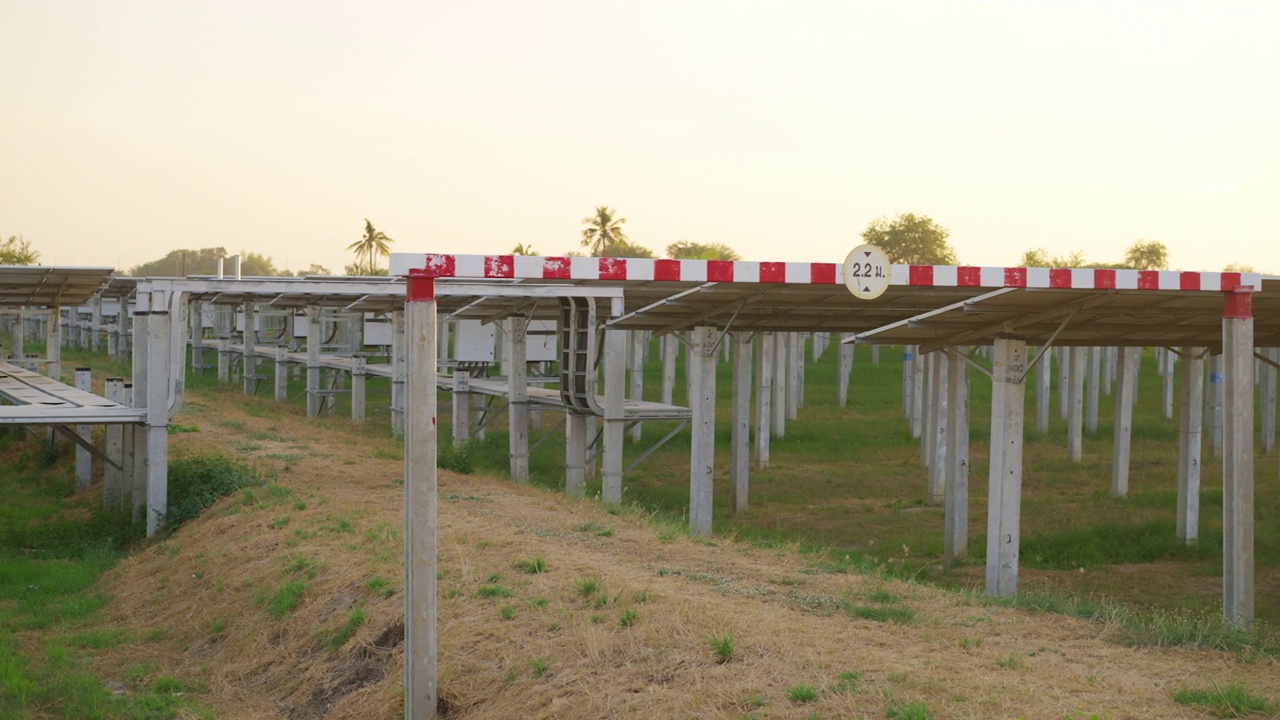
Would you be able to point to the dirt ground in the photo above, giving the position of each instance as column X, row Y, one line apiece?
column 637, row 644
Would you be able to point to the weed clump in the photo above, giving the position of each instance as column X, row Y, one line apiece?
column 197, row 483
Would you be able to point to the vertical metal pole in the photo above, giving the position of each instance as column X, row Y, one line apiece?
column 1190, row 414
column 739, row 468
column 956, row 540
column 1237, row 458
column 420, row 502
column 1004, row 498
column 703, row 444
column 764, row 396
column 84, row 461
column 615, row 390
column 1126, row 370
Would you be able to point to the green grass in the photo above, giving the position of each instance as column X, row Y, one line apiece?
column 1230, row 701
column 722, row 646
column 909, row 711
column 347, row 629
column 540, row 667
column 629, row 618
column 286, row 599
column 494, row 591
column 847, row 682
column 532, row 566
column 802, row 693
column 588, row 586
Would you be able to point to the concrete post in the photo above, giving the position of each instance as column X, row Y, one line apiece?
column 795, row 365
column 938, row 463
column 780, row 384
column 764, row 397
column 359, row 374
column 575, row 455
column 53, row 345
column 1191, row 407
column 1267, row 401
column 249, row 359
column 518, row 400
column 84, row 461
column 703, row 444
column 740, row 454
column 462, row 419
column 159, row 326
column 875, row 354
column 1237, row 458
column 908, row 376
column 956, row 520
column 1108, row 369
column 400, row 370
column 636, row 387
column 1064, row 382
column 1170, row 362
column 615, row 390
column 1004, row 497
column 420, row 478
column 1044, row 380
column 1075, row 401
column 282, row 374
column 917, row 395
column 196, row 321
column 1215, row 401
column 112, row 476
column 670, row 346
column 137, row 444
column 1094, row 392
column 844, row 367
column 314, row 336
column 1126, row 369
column 95, row 325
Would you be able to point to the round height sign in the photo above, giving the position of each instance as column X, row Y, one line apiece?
column 866, row 272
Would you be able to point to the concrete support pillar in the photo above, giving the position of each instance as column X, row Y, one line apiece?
column 518, row 400
column 113, row 338
column 1108, row 369
column 1094, row 391
column 928, row 417
column 615, row 392
column 1126, row 370
column 18, row 338
column 780, row 384
column 918, row 400
column 703, row 445
column 670, row 346
column 875, row 354
column 1191, row 407
column 740, row 454
column 1237, row 458
column 282, row 374
column 137, row 444
column 196, row 321
column 1044, row 380
column 1267, row 400
column 1075, row 401
column 249, row 358
column 462, row 406
column 844, row 368
column 635, row 388
column 53, row 345
column 113, row 476
column 1004, row 497
column 359, row 374
column 795, row 366
column 160, row 325
column 764, row 396
column 956, row 519
column 314, row 336
column 84, row 460
column 1170, row 362
column 908, row 379
column 420, row 478
column 400, row 370
column 938, row 462
column 1215, row 402
column 95, row 325
column 575, row 455
column 1064, row 381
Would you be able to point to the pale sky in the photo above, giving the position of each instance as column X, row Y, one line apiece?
column 129, row 128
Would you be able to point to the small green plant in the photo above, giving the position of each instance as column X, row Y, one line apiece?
column 588, row 586
column 600, row 601
column 1012, row 662
column 217, row 626
column 278, row 523
column 169, row 685
column 597, row 619
column 508, row 612
column 347, row 629
column 286, row 598
column 847, row 682
column 532, row 566
column 802, row 693
column 628, row 618
column 380, row 586
column 910, row 711
column 494, row 591
column 1231, row 701
column 722, row 646
column 540, row 667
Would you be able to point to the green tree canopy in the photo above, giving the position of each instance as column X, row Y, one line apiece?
column 181, row 263
column 313, row 269
column 603, row 236
column 374, row 245
column 686, row 250
column 911, row 239
column 1147, row 255
column 1039, row 257
column 17, row 251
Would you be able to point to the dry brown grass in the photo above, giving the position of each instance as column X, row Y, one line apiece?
column 963, row 658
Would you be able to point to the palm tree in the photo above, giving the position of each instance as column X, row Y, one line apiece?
column 375, row 243
column 522, row 249
column 603, row 234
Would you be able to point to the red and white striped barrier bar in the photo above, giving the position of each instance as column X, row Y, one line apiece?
column 532, row 267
